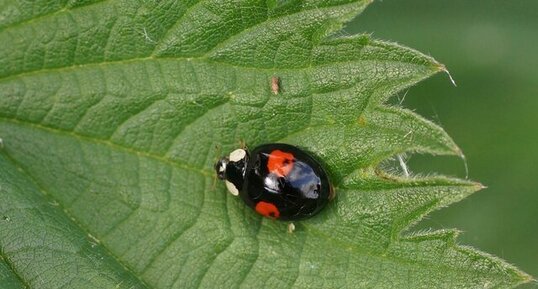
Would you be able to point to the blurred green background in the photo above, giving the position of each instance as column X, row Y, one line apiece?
column 491, row 50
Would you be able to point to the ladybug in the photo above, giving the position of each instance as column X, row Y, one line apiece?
column 277, row 180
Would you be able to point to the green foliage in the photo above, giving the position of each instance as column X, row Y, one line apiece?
column 110, row 112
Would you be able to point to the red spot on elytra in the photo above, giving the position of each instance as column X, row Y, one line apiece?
column 280, row 163
column 267, row 209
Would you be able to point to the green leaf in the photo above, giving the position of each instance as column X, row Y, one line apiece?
column 110, row 115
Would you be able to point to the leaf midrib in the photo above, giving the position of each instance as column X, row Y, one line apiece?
column 108, row 143
column 201, row 59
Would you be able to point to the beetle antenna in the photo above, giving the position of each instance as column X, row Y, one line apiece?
column 218, row 150
column 214, row 183
column 242, row 144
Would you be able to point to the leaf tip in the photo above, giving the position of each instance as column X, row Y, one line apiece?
column 521, row 277
column 479, row 187
column 473, row 186
column 442, row 68
column 526, row 278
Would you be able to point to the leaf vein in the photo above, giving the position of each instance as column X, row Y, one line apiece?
column 268, row 21
column 75, row 220
column 171, row 27
column 256, row 257
column 48, row 15
column 299, row 260
column 11, row 267
column 174, row 163
column 179, row 134
column 175, row 236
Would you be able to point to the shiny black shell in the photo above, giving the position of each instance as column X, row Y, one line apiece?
column 283, row 182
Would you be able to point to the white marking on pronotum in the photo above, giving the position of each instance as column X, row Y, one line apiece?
column 231, row 188
column 403, row 165
column 222, row 167
column 237, row 155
